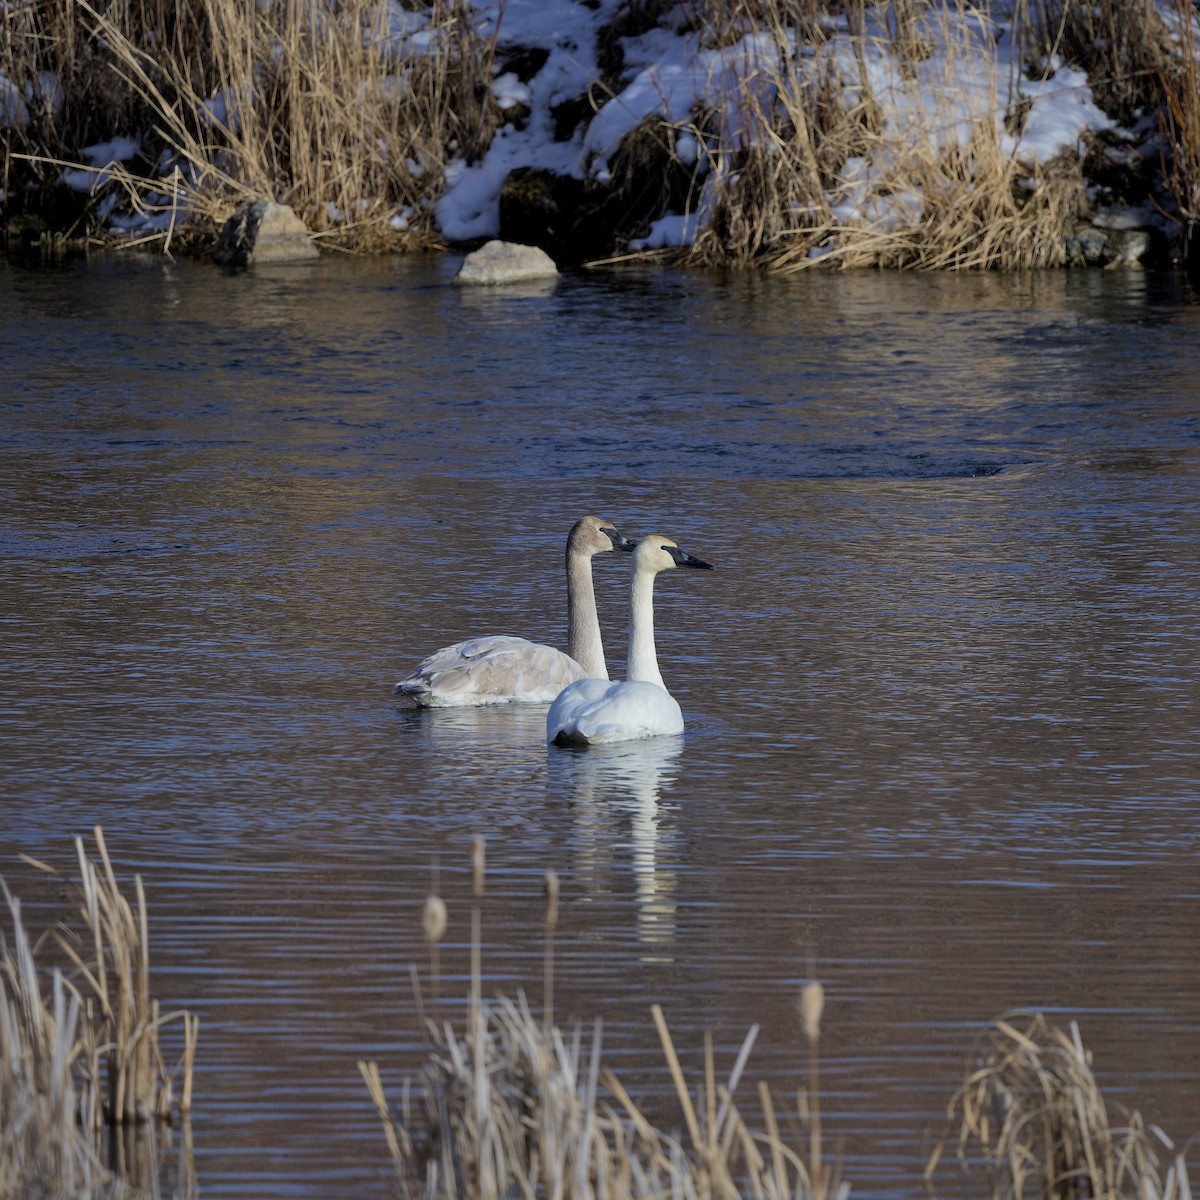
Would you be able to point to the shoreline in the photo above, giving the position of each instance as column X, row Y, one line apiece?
column 912, row 135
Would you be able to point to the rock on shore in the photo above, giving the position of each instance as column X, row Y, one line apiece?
column 263, row 232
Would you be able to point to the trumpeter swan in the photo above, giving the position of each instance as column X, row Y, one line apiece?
column 502, row 669
column 594, row 711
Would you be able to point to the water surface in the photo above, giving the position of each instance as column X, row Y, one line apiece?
column 941, row 690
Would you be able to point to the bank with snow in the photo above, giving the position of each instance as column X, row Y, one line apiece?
column 914, row 135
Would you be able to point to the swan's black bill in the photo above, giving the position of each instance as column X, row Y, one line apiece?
column 684, row 559
column 619, row 540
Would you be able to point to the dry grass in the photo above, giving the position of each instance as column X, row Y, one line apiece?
column 1118, row 43
column 124, row 1016
column 80, row 1051
column 1177, row 74
column 320, row 107
column 821, row 179
column 1031, row 1110
column 46, row 1102
column 861, row 143
column 326, row 108
column 515, row 1107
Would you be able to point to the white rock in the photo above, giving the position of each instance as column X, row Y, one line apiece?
column 505, row 262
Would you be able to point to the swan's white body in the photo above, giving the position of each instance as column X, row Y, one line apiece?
column 593, row 712
column 502, row 669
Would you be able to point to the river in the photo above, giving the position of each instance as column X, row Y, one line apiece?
column 941, row 690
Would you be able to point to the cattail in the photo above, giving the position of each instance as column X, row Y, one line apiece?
column 433, row 922
column 812, row 1004
column 433, row 919
column 551, row 890
column 477, row 864
column 477, row 861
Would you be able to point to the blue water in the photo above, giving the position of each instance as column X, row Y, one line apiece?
column 941, row 690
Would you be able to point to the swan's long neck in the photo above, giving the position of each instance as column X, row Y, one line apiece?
column 643, row 659
column 583, row 622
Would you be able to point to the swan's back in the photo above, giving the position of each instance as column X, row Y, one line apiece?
column 594, row 711
column 490, row 670
column 505, row 670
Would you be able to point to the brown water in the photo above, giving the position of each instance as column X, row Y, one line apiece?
column 941, row 692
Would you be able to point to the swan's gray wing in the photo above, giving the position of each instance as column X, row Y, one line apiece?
column 490, row 670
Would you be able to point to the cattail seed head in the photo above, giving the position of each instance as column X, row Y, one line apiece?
column 551, row 899
column 433, row 919
column 812, row 1004
column 477, row 861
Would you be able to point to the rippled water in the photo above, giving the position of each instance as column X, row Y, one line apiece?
column 941, row 691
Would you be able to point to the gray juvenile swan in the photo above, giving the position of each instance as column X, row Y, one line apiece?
column 594, row 711
column 504, row 670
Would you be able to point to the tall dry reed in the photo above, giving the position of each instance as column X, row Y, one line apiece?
column 514, row 1106
column 1030, row 1111
column 80, row 1048
column 127, row 1019
column 47, row 1101
column 1177, row 75
column 334, row 109
column 1118, row 42
column 809, row 172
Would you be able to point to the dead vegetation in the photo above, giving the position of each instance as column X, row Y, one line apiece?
column 826, row 180
column 1176, row 72
column 514, row 1106
column 834, row 142
column 1031, row 1114
column 80, row 1050
column 348, row 113
column 847, row 142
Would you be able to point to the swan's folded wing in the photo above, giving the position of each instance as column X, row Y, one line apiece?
column 571, row 702
column 490, row 670
column 593, row 712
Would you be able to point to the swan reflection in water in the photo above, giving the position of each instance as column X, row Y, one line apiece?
column 613, row 793
column 470, row 733
column 606, row 786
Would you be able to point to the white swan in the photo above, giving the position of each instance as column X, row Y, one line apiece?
column 594, row 711
column 503, row 669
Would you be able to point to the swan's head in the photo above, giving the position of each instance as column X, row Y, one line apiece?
column 656, row 554
column 594, row 535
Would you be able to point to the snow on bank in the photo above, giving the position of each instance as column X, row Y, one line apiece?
column 14, row 112
column 41, row 93
column 101, row 158
column 566, row 31
column 970, row 74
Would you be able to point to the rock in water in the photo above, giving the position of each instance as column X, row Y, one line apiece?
column 263, row 232
column 506, row 262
